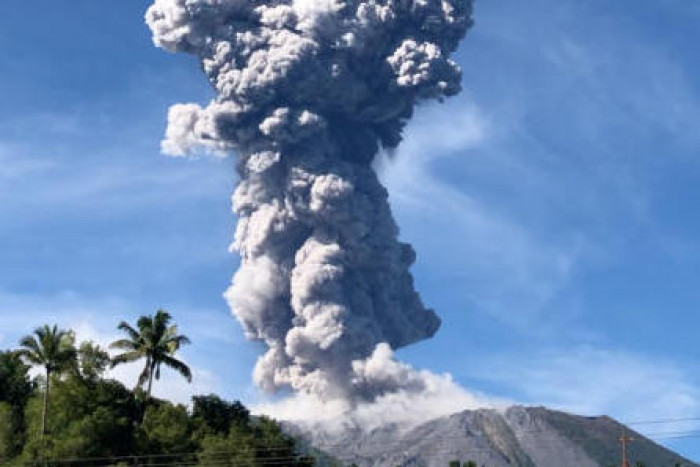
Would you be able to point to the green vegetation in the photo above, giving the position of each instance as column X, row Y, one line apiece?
column 156, row 341
column 52, row 349
column 72, row 415
column 456, row 463
column 15, row 390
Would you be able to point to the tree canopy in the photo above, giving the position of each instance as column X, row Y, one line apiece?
column 154, row 340
column 96, row 421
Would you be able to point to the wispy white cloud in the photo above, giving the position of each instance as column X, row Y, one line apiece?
column 105, row 196
column 555, row 176
column 64, row 181
column 593, row 89
column 14, row 166
column 624, row 82
column 508, row 269
column 49, row 123
column 590, row 380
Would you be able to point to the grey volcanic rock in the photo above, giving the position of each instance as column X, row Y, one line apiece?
column 518, row 436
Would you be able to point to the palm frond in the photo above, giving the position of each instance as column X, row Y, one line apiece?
column 144, row 323
column 30, row 357
column 51, row 347
column 162, row 318
column 130, row 331
column 124, row 344
column 126, row 357
column 160, row 324
column 31, row 346
column 66, row 354
column 43, row 332
column 178, row 366
column 155, row 339
column 174, row 342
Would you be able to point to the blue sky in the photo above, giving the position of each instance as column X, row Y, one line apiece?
column 552, row 204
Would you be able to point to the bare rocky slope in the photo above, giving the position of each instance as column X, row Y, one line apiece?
column 518, row 436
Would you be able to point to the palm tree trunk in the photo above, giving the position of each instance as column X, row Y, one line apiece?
column 44, row 413
column 150, row 380
column 148, row 392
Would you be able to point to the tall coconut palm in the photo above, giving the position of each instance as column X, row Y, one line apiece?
column 54, row 350
column 156, row 341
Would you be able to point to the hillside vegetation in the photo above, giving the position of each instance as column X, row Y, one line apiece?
column 72, row 415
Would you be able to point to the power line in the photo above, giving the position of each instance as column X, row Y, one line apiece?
column 664, row 433
column 660, row 436
column 263, row 460
column 162, row 459
column 322, row 447
column 663, row 420
column 689, row 435
column 236, row 459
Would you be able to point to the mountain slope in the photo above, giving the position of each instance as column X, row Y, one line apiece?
column 518, row 436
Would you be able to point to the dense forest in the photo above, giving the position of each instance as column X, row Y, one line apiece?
column 70, row 414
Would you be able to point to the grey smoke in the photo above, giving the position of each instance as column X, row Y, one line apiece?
column 308, row 91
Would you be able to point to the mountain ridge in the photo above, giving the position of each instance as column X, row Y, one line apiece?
column 514, row 437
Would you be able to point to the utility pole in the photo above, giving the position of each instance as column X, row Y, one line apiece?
column 625, row 440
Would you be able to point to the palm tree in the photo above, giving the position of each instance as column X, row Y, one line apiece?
column 54, row 350
column 157, row 341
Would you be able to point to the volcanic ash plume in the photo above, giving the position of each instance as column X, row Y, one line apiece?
column 308, row 91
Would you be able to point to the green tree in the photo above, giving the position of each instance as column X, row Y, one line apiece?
column 7, row 433
column 16, row 388
column 53, row 349
column 166, row 429
column 156, row 341
column 216, row 415
column 256, row 443
column 93, row 361
column 15, row 383
column 89, row 418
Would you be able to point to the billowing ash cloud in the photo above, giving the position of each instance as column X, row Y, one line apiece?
column 308, row 91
